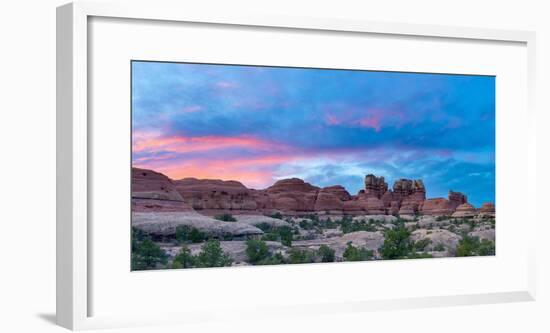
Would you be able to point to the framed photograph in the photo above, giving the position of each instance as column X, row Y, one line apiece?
column 270, row 165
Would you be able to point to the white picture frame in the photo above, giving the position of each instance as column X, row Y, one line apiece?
column 73, row 252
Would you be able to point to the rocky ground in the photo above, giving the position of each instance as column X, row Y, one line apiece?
column 342, row 236
column 210, row 223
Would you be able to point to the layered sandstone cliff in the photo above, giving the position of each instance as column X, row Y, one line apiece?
column 154, row 191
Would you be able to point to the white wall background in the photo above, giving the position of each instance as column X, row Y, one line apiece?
column 27, row 166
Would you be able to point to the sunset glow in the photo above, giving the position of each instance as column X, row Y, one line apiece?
column 260, row 124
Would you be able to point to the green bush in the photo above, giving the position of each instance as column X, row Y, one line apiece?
column 421, row 244
column 184, row 259
column 298, row 256
column 353, row 253
column 226, row 218
column 185, row 233
column 146, row 254
column 486, row 248
column 256, row 250
column 397, row 243
column 275, row 259
column 472, row 246
column 306, row 225
column 439, row 247
column 270, row 236
column 276, row 215
column 212, row 255
column 326, row 253
column 347, row 225
column 264, row 226
column 285, row 233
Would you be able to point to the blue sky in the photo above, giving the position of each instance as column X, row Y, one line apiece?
column 260, row 124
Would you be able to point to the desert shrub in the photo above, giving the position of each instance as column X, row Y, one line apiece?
column 227, row 237
column 439, row 247
column 256, row 250
column 486, row 248
column 270, row 236
column 306, row 225
column 276, row 215
column 441, row 218
column 472, row 246
column 298, row 256
column 196, row 236
column 275, row 259
column 186, row 233
column 313, row 217
column 146, row 254
column 212, row 255
column 225, row 217
column 419, row 255
column 326, row 253
column 285, row 233
column 138, row 235
column 327, row 223
column 348, row 225
column 397, row 243
column 421, row 244
column 184, row 259
column 264, row 226
column 353, row 253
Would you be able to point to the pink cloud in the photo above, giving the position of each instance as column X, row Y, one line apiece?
column 153, row 142
column 370, row 123
column 192, row 108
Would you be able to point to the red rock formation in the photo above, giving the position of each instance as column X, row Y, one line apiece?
column 375, row 186
column 410, row 206
column 354, row 207
column 331, row 198
column 457, row 198
column 487, row 209
column 437, row 207
column 152, row 191
column 148, row 184
column 465, row 210
column 215, row 194
column 404, row 188
column 293, row 195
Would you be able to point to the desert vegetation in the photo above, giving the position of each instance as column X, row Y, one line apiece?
column 314, row 238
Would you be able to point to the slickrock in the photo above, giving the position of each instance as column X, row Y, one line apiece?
column 437, row 236
column 165, row 224
column 260, row 219
column 488, row 234
column 370, row 240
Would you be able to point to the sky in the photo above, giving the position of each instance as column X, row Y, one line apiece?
column 261, row 124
